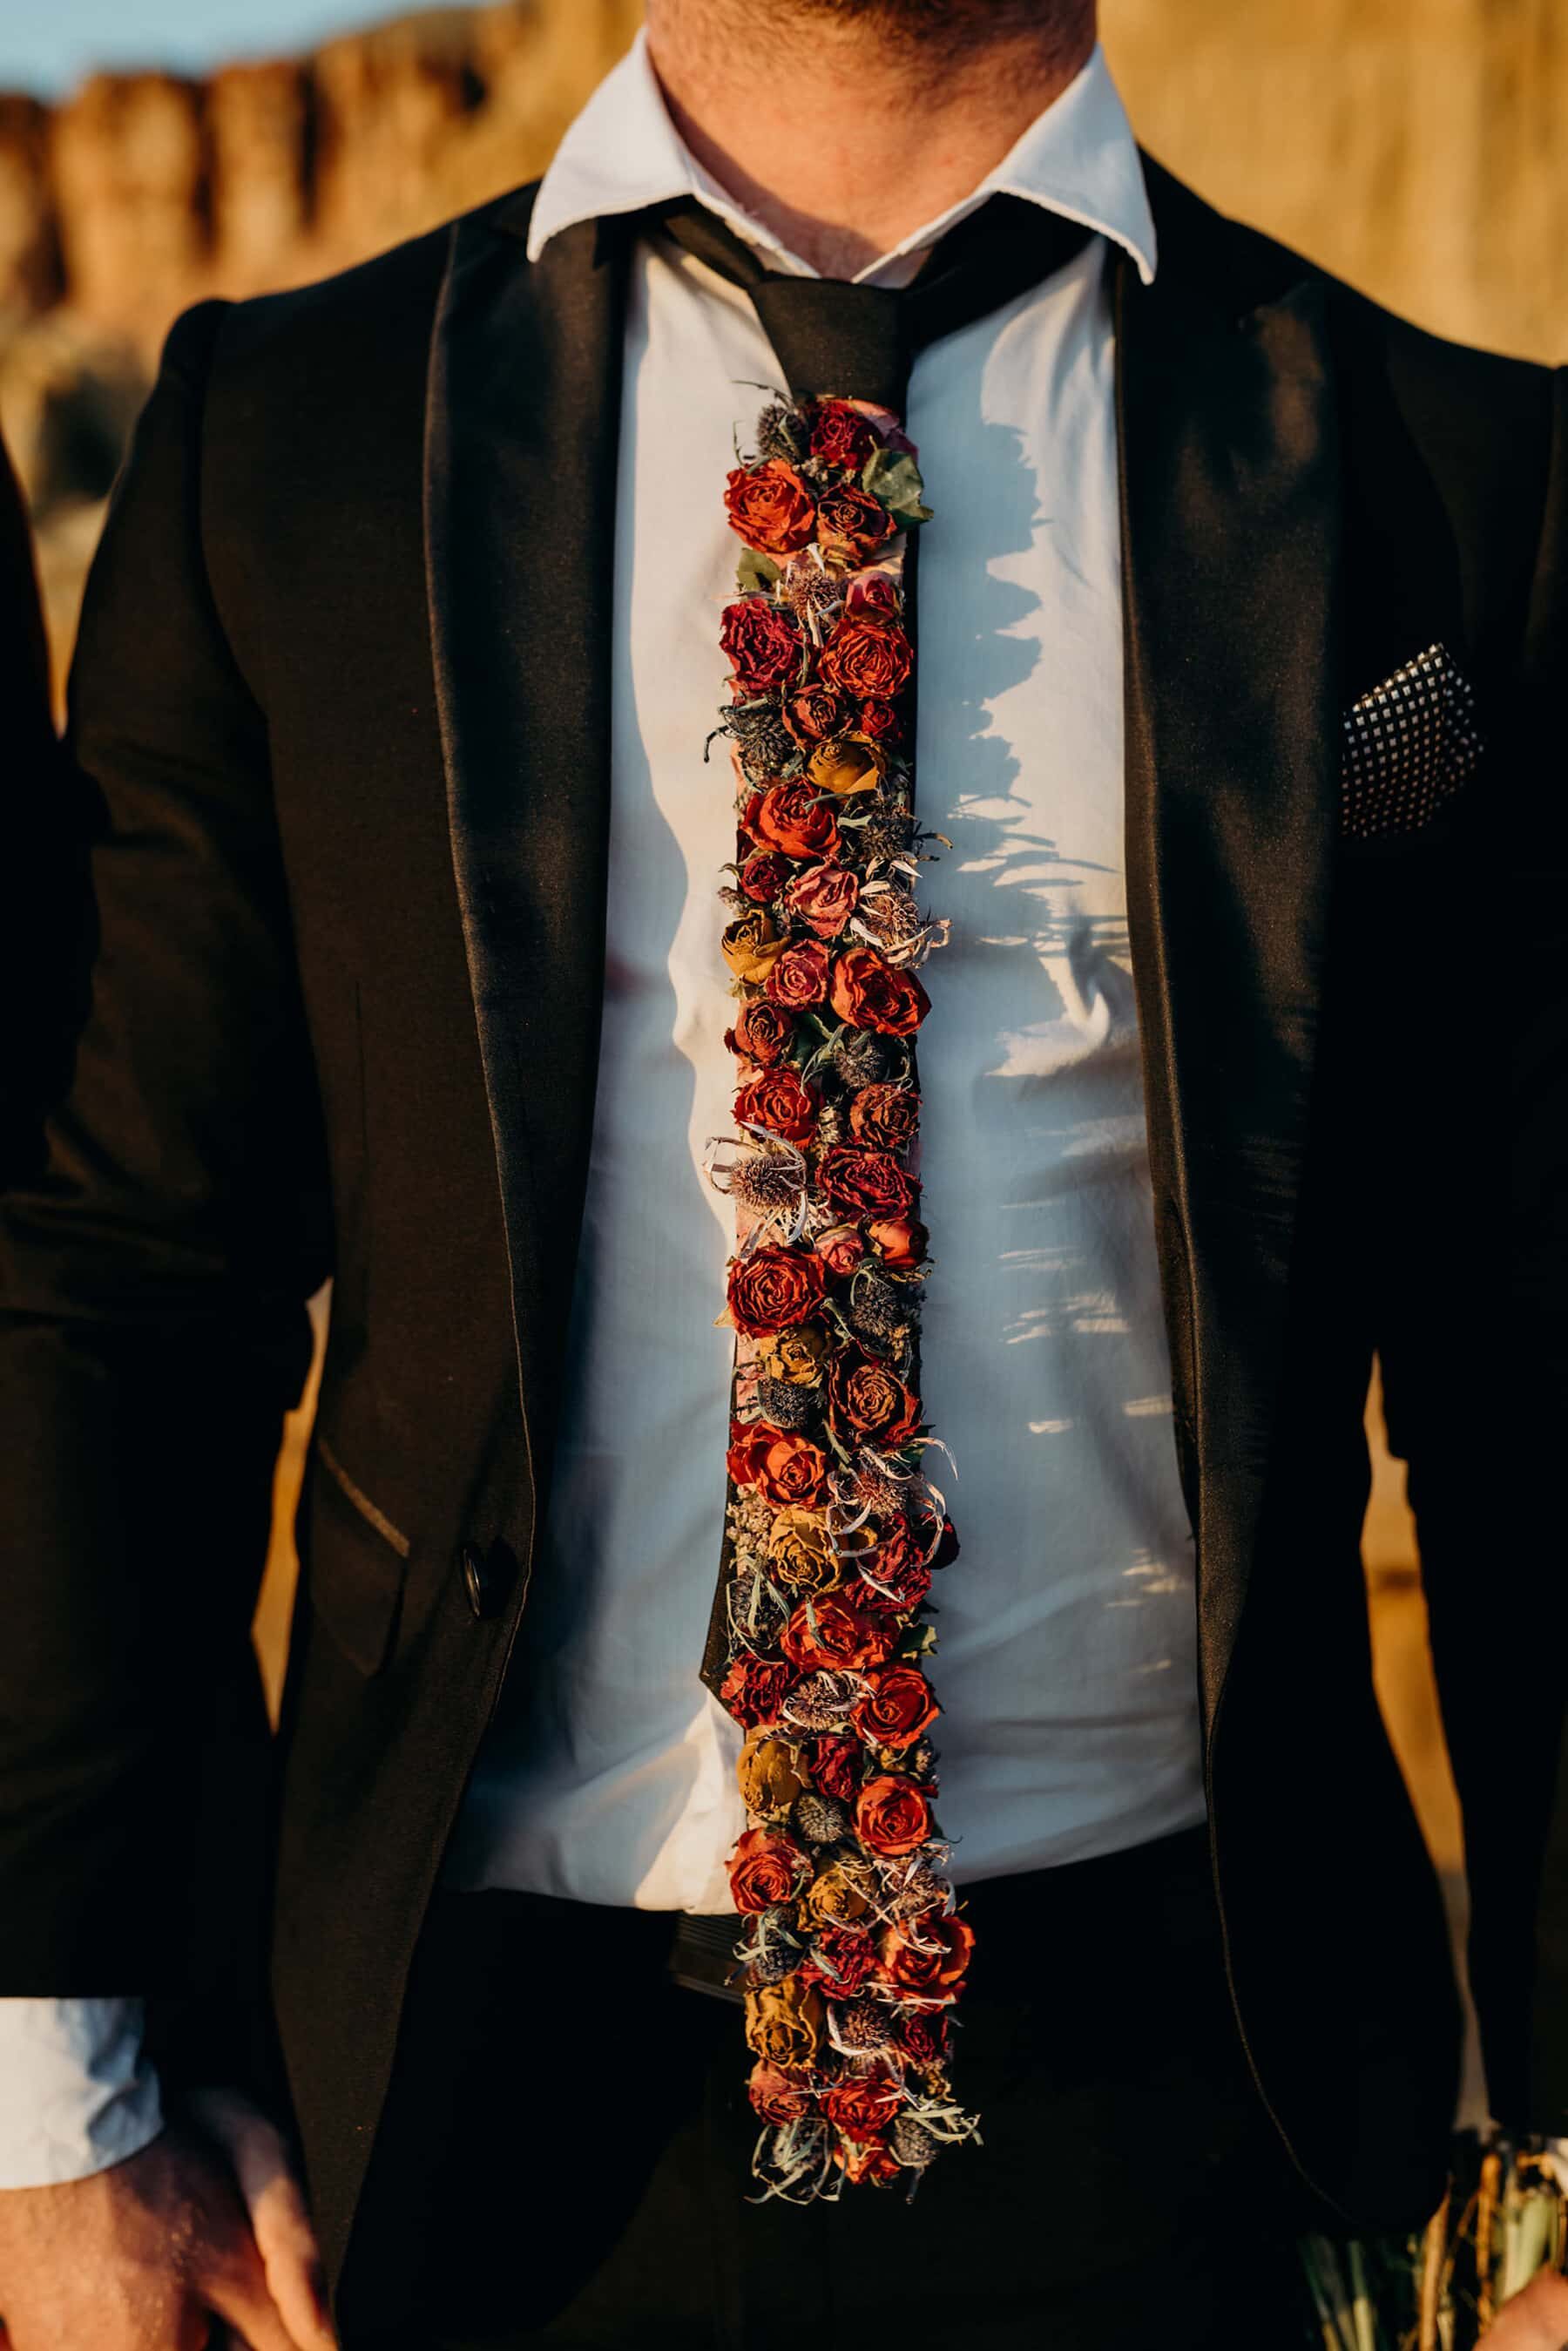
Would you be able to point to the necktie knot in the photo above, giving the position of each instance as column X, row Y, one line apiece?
column 831, row 335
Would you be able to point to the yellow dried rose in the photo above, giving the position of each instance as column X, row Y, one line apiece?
column 766, row 1770
column 796, row 1357
column 846, row 766
column 839, row 1894
column 785, row 2022
column 752, row 946
column 800, row 1553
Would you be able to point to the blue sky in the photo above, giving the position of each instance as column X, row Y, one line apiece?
column 48, row 44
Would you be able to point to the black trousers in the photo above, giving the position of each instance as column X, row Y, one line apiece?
column 563, row 2159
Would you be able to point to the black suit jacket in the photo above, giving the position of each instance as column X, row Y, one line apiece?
column 343, row 687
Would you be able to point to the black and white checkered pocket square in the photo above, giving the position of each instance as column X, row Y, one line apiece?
column 1410, row 745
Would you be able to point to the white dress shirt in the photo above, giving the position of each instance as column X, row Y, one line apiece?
column 1066, row 1666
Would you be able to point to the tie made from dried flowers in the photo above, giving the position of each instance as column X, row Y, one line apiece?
column 852, row 1950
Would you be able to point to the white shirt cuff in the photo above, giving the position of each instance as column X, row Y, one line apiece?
column 77, row 2092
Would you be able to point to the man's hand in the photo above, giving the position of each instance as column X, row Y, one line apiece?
column 205, row 2227
column 1533, row 2320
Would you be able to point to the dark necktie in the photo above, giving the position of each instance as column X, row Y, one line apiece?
column 852, row 1946
column 859, row 341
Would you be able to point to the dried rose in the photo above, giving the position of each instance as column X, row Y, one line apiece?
column 769, row 1779
column 774, row 2095
column 799, row 978
column 879, row 722
column 754, row 1688
column 865, row 656
column 780, row 1103
column 794, row 1356
column 792, row 817
column 834, row 1633
column 867, row 2161
column 800, row 1553
column 764, row 1869
column 841, row 1248
column 874, row 593
column 896, row 1707
column 927, row 1956
column 841, row 434
column 835, row 1765
column 764, row 875
column 868, row 993
column 840, row 1893
column 862, row 2105
column 891, row 1812
column 762, row 641
column 845, row 767
column 774, row 1289
column 784, row 2023
column 874, row 1404
column 900, row 1242
column 899, row 1567
column 752, row 945
column 823, row 898
column 851, row 525
column 784, row 1467
column 762, row 1033
column 884, row 1118
column 925, row 2034
column 814, row 714
column 866, row 1183
column 769, row 506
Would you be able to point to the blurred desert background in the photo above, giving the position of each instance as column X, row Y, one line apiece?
column 1415, row 146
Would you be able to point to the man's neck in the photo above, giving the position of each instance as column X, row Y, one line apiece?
column 841, row 139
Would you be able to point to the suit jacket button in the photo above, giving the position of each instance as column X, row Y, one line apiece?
column 485, row 1588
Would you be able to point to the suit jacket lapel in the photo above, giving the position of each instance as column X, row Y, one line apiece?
column 520, row 496
column 1230, row 513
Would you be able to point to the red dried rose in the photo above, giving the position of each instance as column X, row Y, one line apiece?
column 842, row 1960
column 775, row 2095
column 779, row 1102
column 792, row 817
column 896, row 1709
column 841, row 1248
column 835, row 1767
column 769, row 506
column 899, row 1568
column 851, row 525
column 764, row 1869
column 868, row 993
column 814, row 714
column 874, row 593
column 884, row 1118
column 891, row 1813
column 823, row 898
column 935, row 1968
column 754, row 1688
column 873, row 1402
column 841, row 436
column 762, row 641
column 867, row 2161
column 925, row 2035
column 879, row 722
column 862, row 2105
column 865, row 1183
column 831, row 1631
column 774, row 1289
column 865, row 656
column 762, row 1033
column 900, row 1242
column 786, row 1468
column 764, row 875
column 800, row 975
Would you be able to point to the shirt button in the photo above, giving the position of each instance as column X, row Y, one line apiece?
column 485, row 1577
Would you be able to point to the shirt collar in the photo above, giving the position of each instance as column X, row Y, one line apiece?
column 623, row 152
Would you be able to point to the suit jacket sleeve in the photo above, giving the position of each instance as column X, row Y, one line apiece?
column 152, row 1286
column 1474, row 1322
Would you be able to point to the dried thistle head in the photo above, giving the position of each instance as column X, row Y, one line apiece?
column 820, row 1820
column 858, row 1058
column 823, row 1700
column 787, row 1406
column 782, row 431
column 859, row 2027
column 768, row 1181
column 912, row 2143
